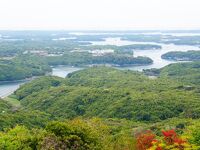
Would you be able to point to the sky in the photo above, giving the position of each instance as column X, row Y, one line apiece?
column 99, row 14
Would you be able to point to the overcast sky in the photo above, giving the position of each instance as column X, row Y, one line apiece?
column 99, row 14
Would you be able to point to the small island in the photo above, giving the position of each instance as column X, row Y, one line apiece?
column 182, row 56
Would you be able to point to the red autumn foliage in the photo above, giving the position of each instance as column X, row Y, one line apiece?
column 159, row 148
column 146, row 140
column 179, row 141
column 169, row 133
column 171, row 137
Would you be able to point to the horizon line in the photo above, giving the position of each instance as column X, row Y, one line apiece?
column 169, row 29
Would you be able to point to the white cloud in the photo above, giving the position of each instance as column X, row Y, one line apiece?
column 99, row 14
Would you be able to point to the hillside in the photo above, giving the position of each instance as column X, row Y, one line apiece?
column 102, row 108
column 98, row 92
column 4, row 106
column 186, row 73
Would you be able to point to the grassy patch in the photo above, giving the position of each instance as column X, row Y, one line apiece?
column 14, row 102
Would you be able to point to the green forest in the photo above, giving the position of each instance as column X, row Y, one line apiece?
column 84, row 59
column 22, row 67
column 105, row 108
column 184, row 56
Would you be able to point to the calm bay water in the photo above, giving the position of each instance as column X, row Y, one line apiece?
column 62, row 71
column 8, row 88
column 155, row 55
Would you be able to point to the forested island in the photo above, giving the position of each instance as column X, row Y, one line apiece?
column 182, row 56
column 85, row 59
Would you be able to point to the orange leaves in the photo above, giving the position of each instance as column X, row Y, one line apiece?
column 145, row 140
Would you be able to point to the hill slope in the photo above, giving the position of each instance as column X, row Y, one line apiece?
column 111, row 93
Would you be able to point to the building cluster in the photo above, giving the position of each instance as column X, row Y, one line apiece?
column 43, row 53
